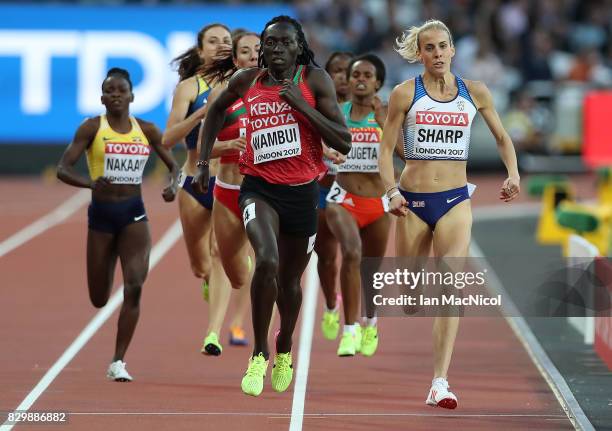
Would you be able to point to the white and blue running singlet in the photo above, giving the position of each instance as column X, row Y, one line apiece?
column 436, row 130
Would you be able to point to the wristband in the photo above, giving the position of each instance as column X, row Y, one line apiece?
column 394, row 187
column 387, row 192
column 201, row 163
column 394, row 194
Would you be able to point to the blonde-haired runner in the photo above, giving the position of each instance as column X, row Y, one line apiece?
column 408, row 43
column 436, row 111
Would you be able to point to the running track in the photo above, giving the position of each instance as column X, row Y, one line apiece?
column 45, row 306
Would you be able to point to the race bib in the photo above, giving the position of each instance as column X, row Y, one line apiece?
column 336, row 194
column 471, row 188
column 332, row 168
column 181, row 179
column 243, row 122
column 124, row 162
column 385, row 201
column 441, row 135
column 311, row 243
column 363, row 157
column 248, row 214
column 275, row 143
column 242, row 130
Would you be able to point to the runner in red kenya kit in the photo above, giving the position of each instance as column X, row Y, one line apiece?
column 291, row 105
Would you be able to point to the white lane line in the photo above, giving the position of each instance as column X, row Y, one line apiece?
column 58, row 215
column 309, row 310
column 535, row 350
column 500, row 212
column 310, row 415
column 161, row 248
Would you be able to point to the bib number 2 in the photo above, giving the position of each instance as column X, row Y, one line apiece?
column 336, row 194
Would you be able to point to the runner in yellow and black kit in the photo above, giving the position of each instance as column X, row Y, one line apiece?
column 117, row 146
column 356, row 210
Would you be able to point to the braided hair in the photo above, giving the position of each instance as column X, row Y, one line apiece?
column 117, row 72
column 305, row 58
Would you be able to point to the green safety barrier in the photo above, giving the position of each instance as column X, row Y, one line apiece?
column 603, row 174
column 536, row 184
column 577, row 217
column 592, row 222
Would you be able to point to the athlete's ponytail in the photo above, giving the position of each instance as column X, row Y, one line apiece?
column 188, row 63
column 408, row 43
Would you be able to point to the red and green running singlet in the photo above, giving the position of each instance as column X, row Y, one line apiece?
column 233, row 128
column 283, row 147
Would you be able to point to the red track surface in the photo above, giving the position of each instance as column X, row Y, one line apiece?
column 45, row 306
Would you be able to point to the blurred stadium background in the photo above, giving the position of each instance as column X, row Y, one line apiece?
column 548, row 64
column 540, row 58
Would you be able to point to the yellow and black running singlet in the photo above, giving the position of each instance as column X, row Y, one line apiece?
column 120, row 157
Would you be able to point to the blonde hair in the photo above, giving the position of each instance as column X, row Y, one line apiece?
column 408, row 42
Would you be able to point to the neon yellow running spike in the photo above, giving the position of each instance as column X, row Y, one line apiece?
column 282, row 372
column 252, row 382
column 347, row 345
column 211, row 345
column 205, row 290
column 369, row 342
column 330, row 324
column 358, row 337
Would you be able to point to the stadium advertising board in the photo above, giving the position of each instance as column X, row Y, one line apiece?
column 54, row 58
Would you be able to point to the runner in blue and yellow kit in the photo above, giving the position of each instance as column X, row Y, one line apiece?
column 232, row 244
column 189, row 107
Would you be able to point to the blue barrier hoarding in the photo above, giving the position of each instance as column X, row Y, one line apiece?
column 53, row 59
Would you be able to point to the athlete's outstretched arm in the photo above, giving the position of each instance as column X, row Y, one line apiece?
column 155, row 140
column 333, row 155
column 327, row 118
column 83, row 137
column 177, row 126
column 221, row 147
column 399, row 102
column 484, row 101
column 237, row 86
